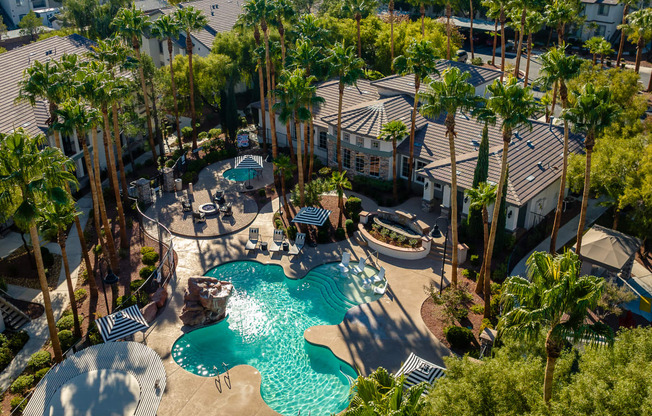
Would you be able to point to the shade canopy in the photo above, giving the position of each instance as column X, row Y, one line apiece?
column 312, row 216
column 121, row 324
column 249, row 162
column 608, row 248
column 417, row 370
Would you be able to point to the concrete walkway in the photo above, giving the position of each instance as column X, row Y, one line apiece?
column 566, row 233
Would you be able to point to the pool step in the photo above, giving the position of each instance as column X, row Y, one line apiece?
column 336, row 289
column 328, row 292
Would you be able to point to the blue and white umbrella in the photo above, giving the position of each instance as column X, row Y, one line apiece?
column 312, row 216
column 417, row 370
column 249, row 162
column 121, row 324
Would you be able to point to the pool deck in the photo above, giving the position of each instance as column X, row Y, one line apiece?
column 381, row 333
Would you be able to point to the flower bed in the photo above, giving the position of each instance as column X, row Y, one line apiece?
column 419, row 251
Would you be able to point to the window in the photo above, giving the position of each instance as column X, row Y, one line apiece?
column 375, row 144
column 68, row 145
column 420, row 165
column 323, row 140
column 374, row 166
column 160, row 47
column 347, row 137
column 600, row 30
column 404, row 167
column 347, row 158
column 603, row 10
column 359, row 141
column 359, row 164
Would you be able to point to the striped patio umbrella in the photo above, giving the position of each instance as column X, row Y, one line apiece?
column 417, row 370
column 249, row 162
column 121, row 324
column 312, row 216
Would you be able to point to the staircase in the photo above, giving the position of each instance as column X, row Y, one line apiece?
column 437, row 252
column 14, row 318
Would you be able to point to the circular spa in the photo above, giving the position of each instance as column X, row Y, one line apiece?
column 240, row 175
column 267, row 316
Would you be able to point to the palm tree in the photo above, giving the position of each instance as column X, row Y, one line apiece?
column 394, row 131
column 560, row 14
column 514, row 105
column 357, row 9
column 167, row 28
column 390, row 8
column 340, row 182
column 493, row 11
column 284, row 13
column 57, row 218
column 555, row 299
column 598, row 45
column 502, row 17
column 557, row 68
column 422, row 11
column 383, row 394
column 448, row 11
column 533, row 23
column 604, row 50
column 31, row 172
column 592, row 113
column 130, row 23
column 285, row 167
column 450, row 94
column 191, row 20
column 48, row 82
column 524, row 4
column 348, row 69
column 627, row 4
column 419, row 59
column 284, row 107
column 482, row 197
column 639, row 31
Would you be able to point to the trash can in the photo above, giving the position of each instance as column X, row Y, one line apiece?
column 178, row 184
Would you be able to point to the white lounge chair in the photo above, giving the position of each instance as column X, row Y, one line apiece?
column 277, row 242
column 381, row 290
column 344, row 264
column 253, row 239
column 360, row 267
column 298, row 244
column 366, row 284
column 379, row 277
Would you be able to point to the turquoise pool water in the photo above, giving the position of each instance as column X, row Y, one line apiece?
column 266, row 319
column 239, row 175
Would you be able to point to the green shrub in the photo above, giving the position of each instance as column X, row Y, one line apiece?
column 196, row 165
column 500, row 273
column 401, row 239
column 486, row 323
column 67, row 339
column 38, row 360
column 413, row 242
column 141, row 298
column 18, row 401
column 17, row 341
column 262, row 193
column 340, row 234
column 146, row 271
column 145, row 249
column 186, row 133
column 3, row 340
column 458, row 336
column 353, row 207
column 455, row 302
column 475, row 260
column 150, row 259
column 169, row 163
column 325, row 172
column 5, row 357
column 476, row 61
column 97, row 250
column 136, row 284
column 466, row 273
column 84, row 276
column 292, row 232
column 278, row 223
column 477, row 309
column 40, row 374
column 214, row 133
column 22, row 384
column 350, row 227
column 495, row 288
column 189, row 177
column 80, row 294
column 66, row 322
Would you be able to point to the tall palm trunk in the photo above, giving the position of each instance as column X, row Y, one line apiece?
column 590, row 139
column 306, row 139
column 143, row 86
column 113, row 177
column 281, row 32
column 529, row 57
column 270, row 94
column 191, row 81
column 639, row 52
column 493, row 52
column 357, row 24
column 553, row 351
column 71, row 292
column 450, row 125
column 118, row 148
column 554, row 99
column 471, row 27
column 448, row 31
column 479, row 287
column 391, row 30
column 422, row 10
column 563, row 92
column 300, row 167
column 174, row 94
column 517, row 64
column 261, row 88
column 312, row 148
column 622, row 36
column 47, row 303
column 338, row 147
column 502, row 43
column 286, row 206
column 288, row 130
column 507, row 134
column 417, row 84
column 110, row 244
column 395, row 179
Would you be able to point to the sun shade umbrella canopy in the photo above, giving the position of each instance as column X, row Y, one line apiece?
column 249, row 162
column 312, row 216
column 417, row 370
column 121, row 324
column 608, row 248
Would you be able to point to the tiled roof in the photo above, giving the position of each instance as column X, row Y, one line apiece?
column 22, row 114
column 221, row 14
column 149, row 6
column 609, row 2
column 368, row 118
column 404, row 84
column 534, row 160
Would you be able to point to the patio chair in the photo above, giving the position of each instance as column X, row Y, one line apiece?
column 379, row 277
column 344, row 264
column 253, row 239
column 360, row 267
column 298, row 244
column 186, row 206
column 381, row 290
column 228, row 211
column 366, row 283
column 198, row 216
column 277, row 241
column 218, row 198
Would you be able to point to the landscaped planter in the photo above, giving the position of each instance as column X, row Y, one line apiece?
column 406, row 253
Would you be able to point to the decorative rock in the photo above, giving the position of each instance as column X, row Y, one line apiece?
column 149, row 312
column 144, row 191
column 205, row 301
column 168, row 179
column 159, row 297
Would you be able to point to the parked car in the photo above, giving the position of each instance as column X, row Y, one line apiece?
column 462, row 56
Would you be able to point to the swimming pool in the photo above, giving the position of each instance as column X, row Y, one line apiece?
column 239, row 175
column 266, row 318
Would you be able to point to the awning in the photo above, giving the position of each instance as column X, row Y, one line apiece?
column 478, row 24
column 608, row 248
column 249, row 162
column 121, row 324
column 417, row 370
column 312, row 216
